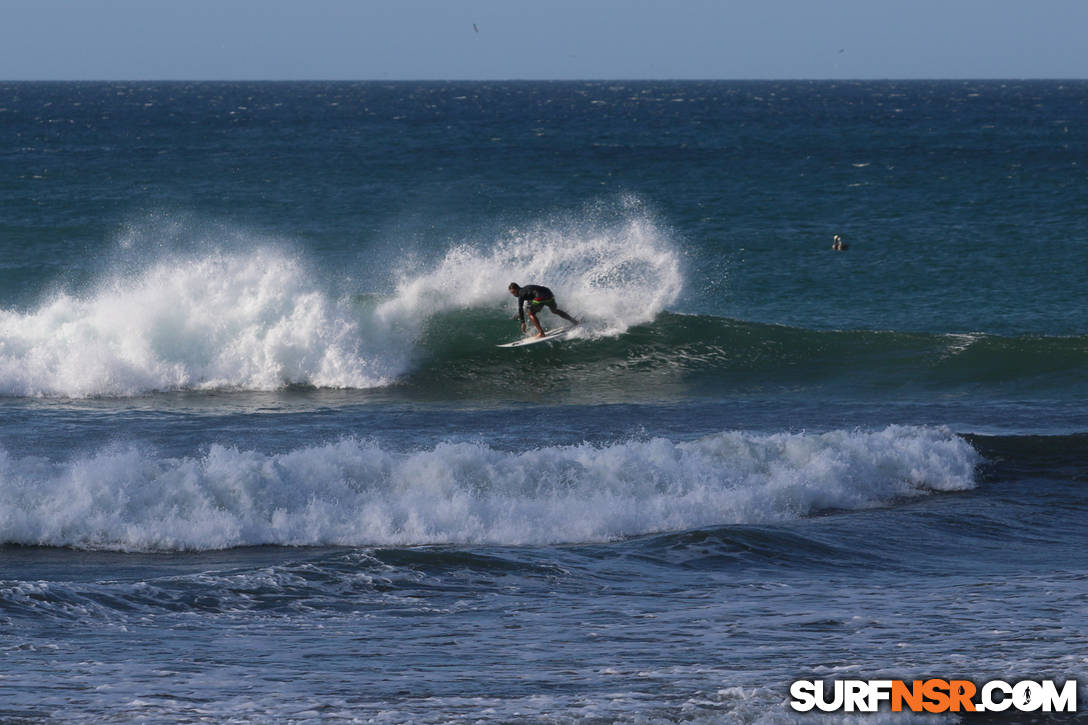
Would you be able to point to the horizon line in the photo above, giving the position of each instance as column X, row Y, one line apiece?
column 964, row 79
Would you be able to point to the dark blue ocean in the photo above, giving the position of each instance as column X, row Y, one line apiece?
column 262, row 461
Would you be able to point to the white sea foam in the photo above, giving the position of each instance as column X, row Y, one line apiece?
column 613, row 274
column 354, row 492
column 250, row 320
column 256, row 317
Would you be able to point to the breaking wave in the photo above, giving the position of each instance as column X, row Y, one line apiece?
column 355, row 492
column 256, row 317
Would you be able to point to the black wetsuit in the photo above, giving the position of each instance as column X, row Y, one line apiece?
column 537, row 297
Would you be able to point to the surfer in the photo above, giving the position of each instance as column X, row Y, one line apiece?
column 535, row 298
column 838, row 244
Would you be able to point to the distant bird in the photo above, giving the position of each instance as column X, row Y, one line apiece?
column 475, row 28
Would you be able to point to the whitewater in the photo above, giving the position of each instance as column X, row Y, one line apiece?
column 355, row 493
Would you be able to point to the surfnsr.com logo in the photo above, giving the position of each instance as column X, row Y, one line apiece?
column 934, row 696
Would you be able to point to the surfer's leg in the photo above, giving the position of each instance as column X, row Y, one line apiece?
column 555, row 310
column 536, row 322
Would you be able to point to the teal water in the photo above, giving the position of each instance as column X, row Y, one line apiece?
column 261, row 459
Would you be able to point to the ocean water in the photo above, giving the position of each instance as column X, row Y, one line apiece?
column 261, row 459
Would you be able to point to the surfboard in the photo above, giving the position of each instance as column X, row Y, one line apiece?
column 553, row 334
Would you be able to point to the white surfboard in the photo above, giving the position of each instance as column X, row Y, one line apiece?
column 553, row 334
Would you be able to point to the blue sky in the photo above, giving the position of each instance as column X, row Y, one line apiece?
column 588, row 39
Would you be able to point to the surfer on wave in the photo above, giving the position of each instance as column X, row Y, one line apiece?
column 536, row 297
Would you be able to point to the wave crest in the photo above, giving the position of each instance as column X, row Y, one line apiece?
column 248, row 321
column 354, row 492
column 618, row 274
column 258, row 318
